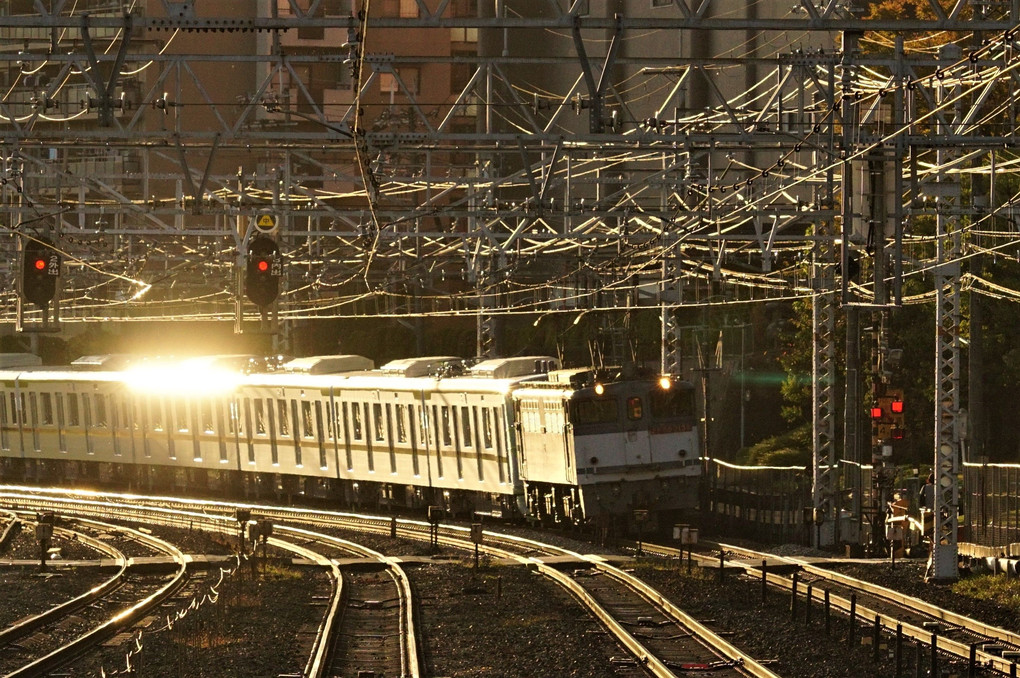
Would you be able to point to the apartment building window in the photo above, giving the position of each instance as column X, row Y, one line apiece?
column 405, row 9
column 409, row 75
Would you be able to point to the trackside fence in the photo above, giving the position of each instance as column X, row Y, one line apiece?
column 763, row 503
column 990, row 497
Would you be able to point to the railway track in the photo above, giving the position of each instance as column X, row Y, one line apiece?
column 373, row 632
column 55, row 638
column 659, row 639
column 369, row 632
column 880, row 611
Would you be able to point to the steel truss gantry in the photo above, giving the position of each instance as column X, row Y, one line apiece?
column 574, row 161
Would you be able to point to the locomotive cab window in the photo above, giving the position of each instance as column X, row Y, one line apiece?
column 593, row 411
column 672, row 404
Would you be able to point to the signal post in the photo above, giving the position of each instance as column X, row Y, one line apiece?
column 39, row 284
column 259, row 269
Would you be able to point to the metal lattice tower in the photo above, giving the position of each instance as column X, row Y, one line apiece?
column 947, row 348
column 823, row 372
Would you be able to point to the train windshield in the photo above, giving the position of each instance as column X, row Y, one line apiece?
column 593, row 411
column 672, row 404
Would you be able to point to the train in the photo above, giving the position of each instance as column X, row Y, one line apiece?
column 518, row 438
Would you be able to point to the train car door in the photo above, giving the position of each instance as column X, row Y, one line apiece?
column 635, row 431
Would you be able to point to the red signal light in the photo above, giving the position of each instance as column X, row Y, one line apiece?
column 876, row 412
column 262, row 265
column 896, row 406
column 39, row 264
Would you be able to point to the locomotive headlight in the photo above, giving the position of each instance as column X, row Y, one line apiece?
column 599, row 389
column 665, row 383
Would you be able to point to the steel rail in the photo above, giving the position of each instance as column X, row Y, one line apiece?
column 317, row 664
column 31, row 624
column 109, row 628
column 409, row 642
column 946, row 644
column 11, row 528
column 224, row 524
column 888, row 622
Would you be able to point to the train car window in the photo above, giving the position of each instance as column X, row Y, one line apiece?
column 330, row 419
column 206, row 409
column 378, row 421
column 274, row 451
column 465, row 426
column 260, row 417
column 307, row 427
column 46, row 402
column 447, row 435
column 86, row 410
column 73, row 417
column 671, row 404
column 297, row 434
column 4, row 442
column 500, row 461
column 143, row 424
column 593, row 411
column 635, row 408
column 401, row 423
column 486, row 428
column 115, row 422
column 61, row 438
column 414, row 442
column 232, row 417
column 457, row 444
column 222, row 440
column 100, row 411
column 33, row 409
column 180, row 408
column 318, row 429
column 347, row 439
column 477, row 444
column 282, row 420
column 439, row 451
column 356, row 420
column 156, row 413
column 248, row 428
column 367, row 412
column 389, row 437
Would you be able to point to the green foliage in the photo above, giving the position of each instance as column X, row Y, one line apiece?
column 792, row 448
column 1002, row 590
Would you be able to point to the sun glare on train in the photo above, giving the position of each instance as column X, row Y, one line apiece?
column 188, row 377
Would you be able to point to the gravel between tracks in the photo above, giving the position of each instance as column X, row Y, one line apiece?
column 506, row 621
